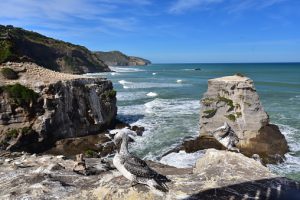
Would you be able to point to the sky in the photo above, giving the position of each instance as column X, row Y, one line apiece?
column 168, row 31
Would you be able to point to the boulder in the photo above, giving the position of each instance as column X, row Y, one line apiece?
column 233, row 99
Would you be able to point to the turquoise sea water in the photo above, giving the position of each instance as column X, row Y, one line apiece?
column 164, row 98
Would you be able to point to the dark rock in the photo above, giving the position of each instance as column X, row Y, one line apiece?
column 138, row 129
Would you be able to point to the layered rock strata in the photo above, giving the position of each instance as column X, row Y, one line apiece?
column 233, row 99
column 63, row 106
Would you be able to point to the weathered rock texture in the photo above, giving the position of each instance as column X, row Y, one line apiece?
column 234, row 99
column 218, row 175
column 117, row 58
column 66, row 106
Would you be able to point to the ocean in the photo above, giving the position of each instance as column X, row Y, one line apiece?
column 165, row 99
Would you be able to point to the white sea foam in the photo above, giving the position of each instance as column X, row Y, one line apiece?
column 182, row 159
column 297, row 97
column 167, row 119
column 292, row 162
column 145, row 85
column 114, row 73
column 123, row 82
column 179, row 81
column 152, row 94
column 129, row 96
column 168, row 107
column 126, row 69
column 153, row 73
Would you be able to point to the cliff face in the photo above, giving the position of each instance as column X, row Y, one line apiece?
column 117, row 58
column 64, row 106
column 18, row 45
column 217, row 175
column 233, row 99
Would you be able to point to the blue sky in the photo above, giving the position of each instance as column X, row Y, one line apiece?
column 169, row 30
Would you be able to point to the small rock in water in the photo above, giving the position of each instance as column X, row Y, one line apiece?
column 138, row 129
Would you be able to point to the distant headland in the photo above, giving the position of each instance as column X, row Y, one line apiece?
column 19, row 45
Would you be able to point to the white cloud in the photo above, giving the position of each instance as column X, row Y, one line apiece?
column 181, row 6
column 240, row 6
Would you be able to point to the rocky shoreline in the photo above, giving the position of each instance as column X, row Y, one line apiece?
column 217, row 175
column 63, row 116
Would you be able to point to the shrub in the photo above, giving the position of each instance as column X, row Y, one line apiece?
column 238, row 114
column 9, row 73
column 229, row 102
column 5, row 52
column 90, row 153
column 109, row 94
column 20, row 94
column 12, row 133
column 231, row 117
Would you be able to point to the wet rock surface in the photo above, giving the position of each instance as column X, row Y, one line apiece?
column 233, row 99
column 218, row 175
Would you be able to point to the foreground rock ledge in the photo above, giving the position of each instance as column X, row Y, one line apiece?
column 218, row 175
column 233, row 99
column 65, row 106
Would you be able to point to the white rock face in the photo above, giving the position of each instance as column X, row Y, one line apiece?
column 232, row 99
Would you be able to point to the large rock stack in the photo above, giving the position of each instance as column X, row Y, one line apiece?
column 233, row 99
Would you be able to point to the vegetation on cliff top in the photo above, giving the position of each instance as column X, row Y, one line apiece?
column 17, row 44
column 20, row 94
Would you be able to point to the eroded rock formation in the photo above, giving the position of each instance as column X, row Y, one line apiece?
column 52, row 106
column 233, row 99
column 217, row 175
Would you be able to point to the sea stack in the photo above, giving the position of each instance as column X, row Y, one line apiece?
column 233, row 99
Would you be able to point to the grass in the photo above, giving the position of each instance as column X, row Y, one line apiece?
column 12, row 133
column 209, row 113
column 5, row 51
column 208, row 101
column 231, row 117
column 229, row 102
column 9, row 73
column 90, row 153
column 20, row 94
column 109, row 94
column 238, row 114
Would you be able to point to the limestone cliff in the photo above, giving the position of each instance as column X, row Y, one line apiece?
column 117, row 58
column 233, row 99
column 217, row 175
column 42, row 106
